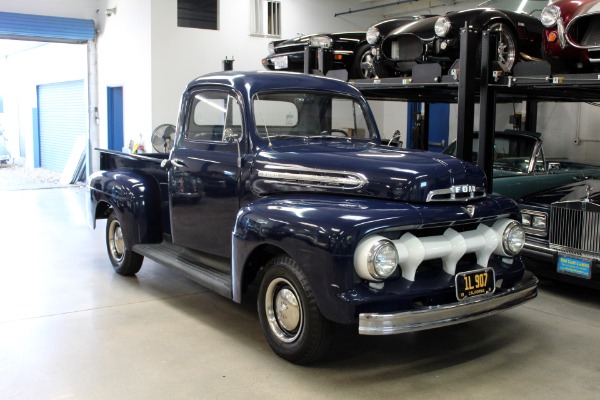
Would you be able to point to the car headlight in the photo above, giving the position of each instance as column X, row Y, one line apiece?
column 382, row 259
column 535, row 222
column 539, row 222
column 372, row 35
column 321, row 41
column 442, row 26
column 513, row 238
column 550, row 15
column 271, row 48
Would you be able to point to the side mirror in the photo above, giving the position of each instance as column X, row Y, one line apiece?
column 229, row 136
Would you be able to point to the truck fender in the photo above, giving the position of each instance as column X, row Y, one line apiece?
column 134, row 197
column 322, row 241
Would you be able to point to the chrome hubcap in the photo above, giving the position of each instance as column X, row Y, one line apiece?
column 366, row 66
column 115, row 238
column 506, row 49
column 283, row 310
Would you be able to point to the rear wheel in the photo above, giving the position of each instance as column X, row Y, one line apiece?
column 124, row 261
column 289, row 316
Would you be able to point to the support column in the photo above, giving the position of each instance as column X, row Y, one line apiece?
column 466, row 94
column 92, row 161
column 487, row 107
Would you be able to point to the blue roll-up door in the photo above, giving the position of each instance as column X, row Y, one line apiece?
column 62, row 119
column 44, row 28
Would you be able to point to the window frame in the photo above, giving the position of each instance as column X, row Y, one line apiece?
column 265, row 18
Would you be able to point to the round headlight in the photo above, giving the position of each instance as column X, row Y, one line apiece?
column 550, row 14
column 442, row 26
column 513, row 238
column 382, row 259
column 321, row 41
column 372, row 35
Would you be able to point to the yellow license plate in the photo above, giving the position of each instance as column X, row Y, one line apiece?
column 481, row 282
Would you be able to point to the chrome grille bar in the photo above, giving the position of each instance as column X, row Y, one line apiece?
column 575, row 227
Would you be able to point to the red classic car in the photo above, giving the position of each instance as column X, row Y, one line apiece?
column 572, row 34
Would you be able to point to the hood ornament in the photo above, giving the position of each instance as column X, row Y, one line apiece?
column 588, row 190
column 470, row 209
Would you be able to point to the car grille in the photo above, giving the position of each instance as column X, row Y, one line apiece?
column 575, row 228
column 586, row 31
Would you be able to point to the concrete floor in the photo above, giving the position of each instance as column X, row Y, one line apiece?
column 70, row 328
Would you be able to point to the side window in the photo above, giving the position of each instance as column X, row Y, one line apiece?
column 210, row 114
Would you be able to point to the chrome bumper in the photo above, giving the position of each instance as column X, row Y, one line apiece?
column 449, row 314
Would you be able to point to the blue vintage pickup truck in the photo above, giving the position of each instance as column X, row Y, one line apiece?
column 280, row 180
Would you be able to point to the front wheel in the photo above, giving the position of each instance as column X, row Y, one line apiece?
column 289, row 316
column 124, row 261
column 362, row 65
column 505, row 52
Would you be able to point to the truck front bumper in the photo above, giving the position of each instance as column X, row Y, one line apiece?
column 448, row 314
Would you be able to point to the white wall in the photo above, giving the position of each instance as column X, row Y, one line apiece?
column 142, row 49
column 125, row 59
column 182, row 54
column 390, row 116
column 85, row 9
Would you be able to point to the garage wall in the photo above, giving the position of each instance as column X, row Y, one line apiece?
column 85, row 9
column 142, row 49
column 182, row 54
column 124, row 59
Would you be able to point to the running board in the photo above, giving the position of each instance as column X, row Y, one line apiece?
column 169, row 255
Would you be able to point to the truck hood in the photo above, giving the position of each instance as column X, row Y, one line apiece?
column 366, row 170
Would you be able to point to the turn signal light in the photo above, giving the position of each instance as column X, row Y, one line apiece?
column 337, row 57
column 552, row 36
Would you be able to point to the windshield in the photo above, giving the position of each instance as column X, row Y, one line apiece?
column 521, row 6
column 511, row 152
column 309, row 114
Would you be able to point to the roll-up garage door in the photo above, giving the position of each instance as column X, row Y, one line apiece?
column 62, row 119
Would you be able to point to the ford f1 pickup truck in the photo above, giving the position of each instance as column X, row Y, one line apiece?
column 281, row 179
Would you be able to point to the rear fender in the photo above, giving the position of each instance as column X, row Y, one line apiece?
column 136, row 200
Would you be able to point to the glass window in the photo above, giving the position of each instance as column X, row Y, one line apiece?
column 266, row 18
column 201, row 14
column 307, row 114
column 210, row 114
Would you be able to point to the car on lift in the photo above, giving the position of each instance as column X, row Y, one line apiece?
column 345, row 51
column 437, row 39
column 571, row 35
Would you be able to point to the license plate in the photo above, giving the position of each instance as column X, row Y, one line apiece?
column 476, row 283
column 280, row 62
column 574, row 266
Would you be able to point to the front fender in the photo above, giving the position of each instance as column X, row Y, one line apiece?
column 321, row 234
column 136, row 200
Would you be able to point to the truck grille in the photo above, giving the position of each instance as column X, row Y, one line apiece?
column 575, row 228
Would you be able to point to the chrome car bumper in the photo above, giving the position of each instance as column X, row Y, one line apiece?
column 448, row 314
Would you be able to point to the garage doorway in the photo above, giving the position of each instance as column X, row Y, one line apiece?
column 114, row 97
column 62, row 119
